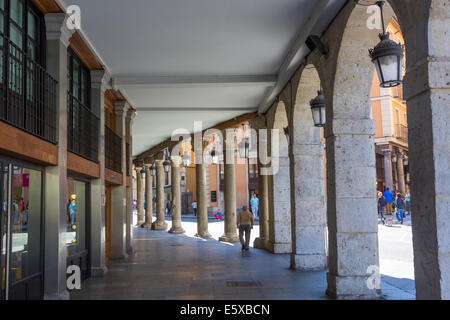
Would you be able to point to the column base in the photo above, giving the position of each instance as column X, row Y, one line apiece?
column 177, row 230
column 159, row 225
column 204, row 235
column 147, row 225
column 230, row 237
column 260, row 243
column 98, row 272
column 308, row 262
column 279, row 248
column 139, row 224
column 351, row 288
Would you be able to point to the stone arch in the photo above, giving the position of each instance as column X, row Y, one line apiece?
column 351, row 173
column 307, row 178
column 350, row 147
column 279, row 188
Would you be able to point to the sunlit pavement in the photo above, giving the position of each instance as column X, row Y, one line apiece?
column 396, row 259
column 174, row 267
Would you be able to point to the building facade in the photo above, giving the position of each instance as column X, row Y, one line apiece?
column 391, row 137
column 65, row 155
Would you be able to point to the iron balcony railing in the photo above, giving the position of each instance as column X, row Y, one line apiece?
column 27, row 93
column 402, row 132
column 83, row 129
column 113, row 150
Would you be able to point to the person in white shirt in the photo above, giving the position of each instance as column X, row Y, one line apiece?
column 194, row 206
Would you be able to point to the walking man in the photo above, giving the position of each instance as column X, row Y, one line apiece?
column 255, row 206
column 194, row 207
column 400, row 204
column 389, row 199
column 245, row 224
column 381, row 206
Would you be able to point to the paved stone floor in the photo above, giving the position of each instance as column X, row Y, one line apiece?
column 174, row 267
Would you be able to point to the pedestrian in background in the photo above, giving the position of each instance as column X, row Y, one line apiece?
column 400, row 205
column 389, row 200
column 168, row 207
column 245, row 224
column 381, row 206
column 408, row 202
column 194, row 207
column 255, row 206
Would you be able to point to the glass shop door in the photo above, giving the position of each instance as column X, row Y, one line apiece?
column 21, row 230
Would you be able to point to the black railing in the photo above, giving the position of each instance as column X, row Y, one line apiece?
column 113, row 150
column 83, row 129
column 402, row 132
column 27, row 93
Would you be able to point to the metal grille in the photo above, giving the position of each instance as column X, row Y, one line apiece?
column 83, row 129
column 113, row 150
column 27, row 93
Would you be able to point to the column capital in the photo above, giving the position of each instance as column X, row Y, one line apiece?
column 148, row 161
column 159, row 156
column 57, row 28
column 175, row 161
column 138, row 163
column 120, row 107
column 259, row 122
column 99, row 80
column 131, row 115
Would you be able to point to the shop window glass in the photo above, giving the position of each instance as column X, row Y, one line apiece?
column 26, row 217
column 76, row 217
column 3, row 224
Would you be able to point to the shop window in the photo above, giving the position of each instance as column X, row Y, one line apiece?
column 76, row 217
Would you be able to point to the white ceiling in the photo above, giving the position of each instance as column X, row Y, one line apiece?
column 183, row 60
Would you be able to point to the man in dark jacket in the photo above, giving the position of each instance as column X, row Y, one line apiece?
column 381, row 205
column 400, row 204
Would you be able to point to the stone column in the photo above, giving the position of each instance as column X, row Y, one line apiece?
column 280, row 236
column 401, row 174
column 352, row 207
column 427, row 92
column 176, row 196
column 307, row 197
column 202, row 206
column 230, row 234
column 119, row 193
column 131, row 114
column 140, row 189
column 388, row 169
column 97, row 217
column 148, row 195
column 55, row 192
column 263, row 184
column 160, row 223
